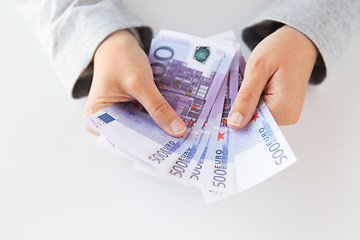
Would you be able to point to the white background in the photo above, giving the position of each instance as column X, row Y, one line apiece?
column 56, row 183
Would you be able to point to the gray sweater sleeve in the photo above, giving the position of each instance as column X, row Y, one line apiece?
column 72, row 30
column 328, row 23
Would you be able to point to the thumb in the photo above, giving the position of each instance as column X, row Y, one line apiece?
column 256, row 76
column 160, row 110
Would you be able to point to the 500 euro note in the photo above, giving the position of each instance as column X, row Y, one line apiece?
column 188, row 72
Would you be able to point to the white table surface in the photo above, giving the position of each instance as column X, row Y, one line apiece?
column 56, row 183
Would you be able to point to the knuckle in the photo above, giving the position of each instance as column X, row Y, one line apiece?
column 162, row 110
column 257, row 64
column 134, row 82
column 260, row 64
column 136, row 78
column 248, row 98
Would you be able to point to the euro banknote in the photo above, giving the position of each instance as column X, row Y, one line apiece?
column 188, row 72
column 200, row 78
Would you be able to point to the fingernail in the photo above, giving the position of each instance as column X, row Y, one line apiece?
column 177, row 126
column 235, row 119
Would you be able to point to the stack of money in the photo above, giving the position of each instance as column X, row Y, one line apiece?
column 200, row 78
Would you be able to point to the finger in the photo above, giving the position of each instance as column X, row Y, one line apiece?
column 159, row 109
column 285, row 100
column 100, row 98
column 90, row 108
column 90, row 130
column 257, row 73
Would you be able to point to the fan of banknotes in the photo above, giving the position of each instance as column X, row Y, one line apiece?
column 200, row 78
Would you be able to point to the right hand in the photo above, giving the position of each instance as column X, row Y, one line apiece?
column 278, row 69
column 122, row 73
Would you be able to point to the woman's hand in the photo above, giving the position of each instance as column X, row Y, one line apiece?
column 279, row 69
column 122, row 72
